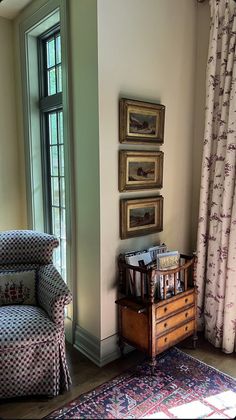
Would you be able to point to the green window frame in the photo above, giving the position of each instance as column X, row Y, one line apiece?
column 52, row 141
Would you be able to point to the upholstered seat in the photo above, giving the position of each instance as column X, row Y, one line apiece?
column 32, row 338
column 23, row 325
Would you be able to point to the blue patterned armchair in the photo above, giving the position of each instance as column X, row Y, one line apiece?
column 32, row 300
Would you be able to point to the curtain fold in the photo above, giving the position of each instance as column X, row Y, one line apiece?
column 216, row 242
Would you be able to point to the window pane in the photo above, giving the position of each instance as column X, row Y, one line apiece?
column 55, row 191
column 63, row 252
column 51, row 81
column 57, row 257
column 60, row 128
column 63, row 223
column 61, row 160
column 54, row 160
column 58, row 49
column 56, row 221
column 59, row 80
column 53, row 128
column 50, row 53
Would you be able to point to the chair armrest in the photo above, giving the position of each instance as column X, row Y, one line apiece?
column 52, row 293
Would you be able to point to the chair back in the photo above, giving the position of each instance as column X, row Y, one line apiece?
column 26, row 248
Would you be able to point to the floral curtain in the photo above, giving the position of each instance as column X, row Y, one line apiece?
column 216, row 243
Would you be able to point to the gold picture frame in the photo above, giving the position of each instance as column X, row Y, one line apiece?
column 140, row 170
column 141, row 216
column 141, row 122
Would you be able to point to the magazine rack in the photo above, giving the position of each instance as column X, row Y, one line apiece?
column 146, row 278
column 154, row 322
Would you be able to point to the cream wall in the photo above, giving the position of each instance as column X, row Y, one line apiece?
column 20, row 79
column 10, row 194
column 84, row 92
column 147, row 51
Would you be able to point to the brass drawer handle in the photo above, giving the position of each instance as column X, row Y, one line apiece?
column 165, row 309
column 186, row 328
column 186, row 300
column 166, row 339
column 141, row 311
column 165, row 325
column 186, row 315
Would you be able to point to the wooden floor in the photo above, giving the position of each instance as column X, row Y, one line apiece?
column 86, row 376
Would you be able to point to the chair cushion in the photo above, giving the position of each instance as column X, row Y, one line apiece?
column 26, row 247
column 25, row 325
column 17, row 287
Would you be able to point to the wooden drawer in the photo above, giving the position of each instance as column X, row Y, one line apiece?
column 174, row 336
column 175, row 320
column 173, row 306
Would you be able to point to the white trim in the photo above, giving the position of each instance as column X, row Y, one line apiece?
column 87, row 344
column 100, row 352
column 40, row 13
column 110, row 350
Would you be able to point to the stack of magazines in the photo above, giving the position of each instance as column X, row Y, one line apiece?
column 168, row 261
column 160, row 258
column 146, row 258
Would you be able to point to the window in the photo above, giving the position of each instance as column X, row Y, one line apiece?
column 44, row 59
column 52, row 141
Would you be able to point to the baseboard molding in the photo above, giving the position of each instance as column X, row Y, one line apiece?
column 98, row 351
column 87, row 344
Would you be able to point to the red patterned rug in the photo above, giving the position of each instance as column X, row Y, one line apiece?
column 182, row 387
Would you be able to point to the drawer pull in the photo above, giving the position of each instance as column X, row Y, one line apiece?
column 165, row 325
column 186, row 315
column 166, row 339
column 186, row 300
column 186, row 328
column 165, row 309
column 141, row 311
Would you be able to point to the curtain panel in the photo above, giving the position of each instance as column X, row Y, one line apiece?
column 216, row 242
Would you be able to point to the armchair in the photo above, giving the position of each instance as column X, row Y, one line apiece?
column 32, row 338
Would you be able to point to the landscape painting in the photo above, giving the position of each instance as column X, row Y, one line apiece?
column 141, row 216
column 141, row 122
column 140, row 170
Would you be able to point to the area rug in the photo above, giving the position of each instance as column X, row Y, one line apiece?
column 182, row 387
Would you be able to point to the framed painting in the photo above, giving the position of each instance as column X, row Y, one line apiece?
column 140, row 170
column 141, row 122
column 141, row 216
